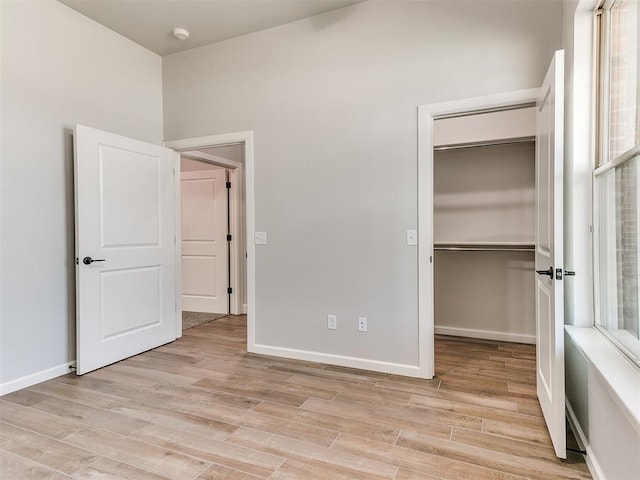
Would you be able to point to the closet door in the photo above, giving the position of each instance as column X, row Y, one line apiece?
column 549, row 253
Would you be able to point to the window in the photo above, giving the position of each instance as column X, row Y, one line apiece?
column 617, row 192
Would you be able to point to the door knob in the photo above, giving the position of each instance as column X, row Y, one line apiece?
column 89, row 260
column 549, row 272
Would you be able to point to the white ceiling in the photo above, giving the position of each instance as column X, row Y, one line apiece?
column 150, row 22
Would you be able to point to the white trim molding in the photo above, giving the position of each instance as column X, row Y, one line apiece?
column 426, row 115
column 339, row 360
column 245, row 138
column 590, row 458
column 38, row 377
column 486, row 334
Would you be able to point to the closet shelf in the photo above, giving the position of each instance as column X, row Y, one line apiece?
column 488, row 143
column 484, row 247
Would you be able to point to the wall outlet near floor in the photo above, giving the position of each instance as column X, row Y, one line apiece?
column 362, row 324
column 332, row 322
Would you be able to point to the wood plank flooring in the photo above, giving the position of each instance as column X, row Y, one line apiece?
column 202, row 408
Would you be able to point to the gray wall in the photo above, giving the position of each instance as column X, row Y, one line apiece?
column 332, row 101
column 58, row 68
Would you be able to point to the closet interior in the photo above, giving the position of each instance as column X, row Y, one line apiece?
column 484, row 238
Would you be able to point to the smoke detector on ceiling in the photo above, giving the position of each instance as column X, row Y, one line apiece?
column 181, row 33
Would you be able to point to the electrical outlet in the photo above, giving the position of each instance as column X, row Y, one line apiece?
column 332, row 322
column 362, row 324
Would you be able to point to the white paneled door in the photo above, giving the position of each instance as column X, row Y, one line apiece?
column 205, row 261
column 125, row 247
column 549, row 253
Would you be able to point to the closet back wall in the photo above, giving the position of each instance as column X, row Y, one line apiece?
column 484, row 197
column 485, row 295
column 485, row 194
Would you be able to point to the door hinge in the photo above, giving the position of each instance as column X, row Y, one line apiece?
column 228, row 237
column 228, row 184
column 229, row 290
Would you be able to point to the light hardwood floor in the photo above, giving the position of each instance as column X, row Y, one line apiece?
column 202, row 408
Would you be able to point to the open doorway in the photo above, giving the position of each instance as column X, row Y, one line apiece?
column 548, row 229
column 205, row 191
column 484, row 225
column 212, row 243
column 242, row 220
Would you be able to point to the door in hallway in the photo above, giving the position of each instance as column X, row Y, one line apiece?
column 205, row 261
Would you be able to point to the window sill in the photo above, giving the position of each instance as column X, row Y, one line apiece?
column 626, row 340
column 619, row 374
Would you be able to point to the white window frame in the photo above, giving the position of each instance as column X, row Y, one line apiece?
column 602, row 51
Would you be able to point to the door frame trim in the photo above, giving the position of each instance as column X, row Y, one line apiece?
column 196, row 143
column 426, row 115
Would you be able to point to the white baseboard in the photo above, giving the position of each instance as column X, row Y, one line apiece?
column 594, row 466
column 245, row 309
column 485, row 334
column 592, row 461
column 38, row 377
column 575, row 426
column 340, row 360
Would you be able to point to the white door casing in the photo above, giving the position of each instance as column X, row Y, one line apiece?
column 426, row 142
column 125, row 222
column 205, row 266
column 549, row 261
column 247, row 179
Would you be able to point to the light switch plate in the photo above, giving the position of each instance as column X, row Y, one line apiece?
column 412, row 237
column 260, row 238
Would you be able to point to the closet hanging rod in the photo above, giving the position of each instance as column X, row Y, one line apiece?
column 483, row 248
column 489, row 110
column 489, row 143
